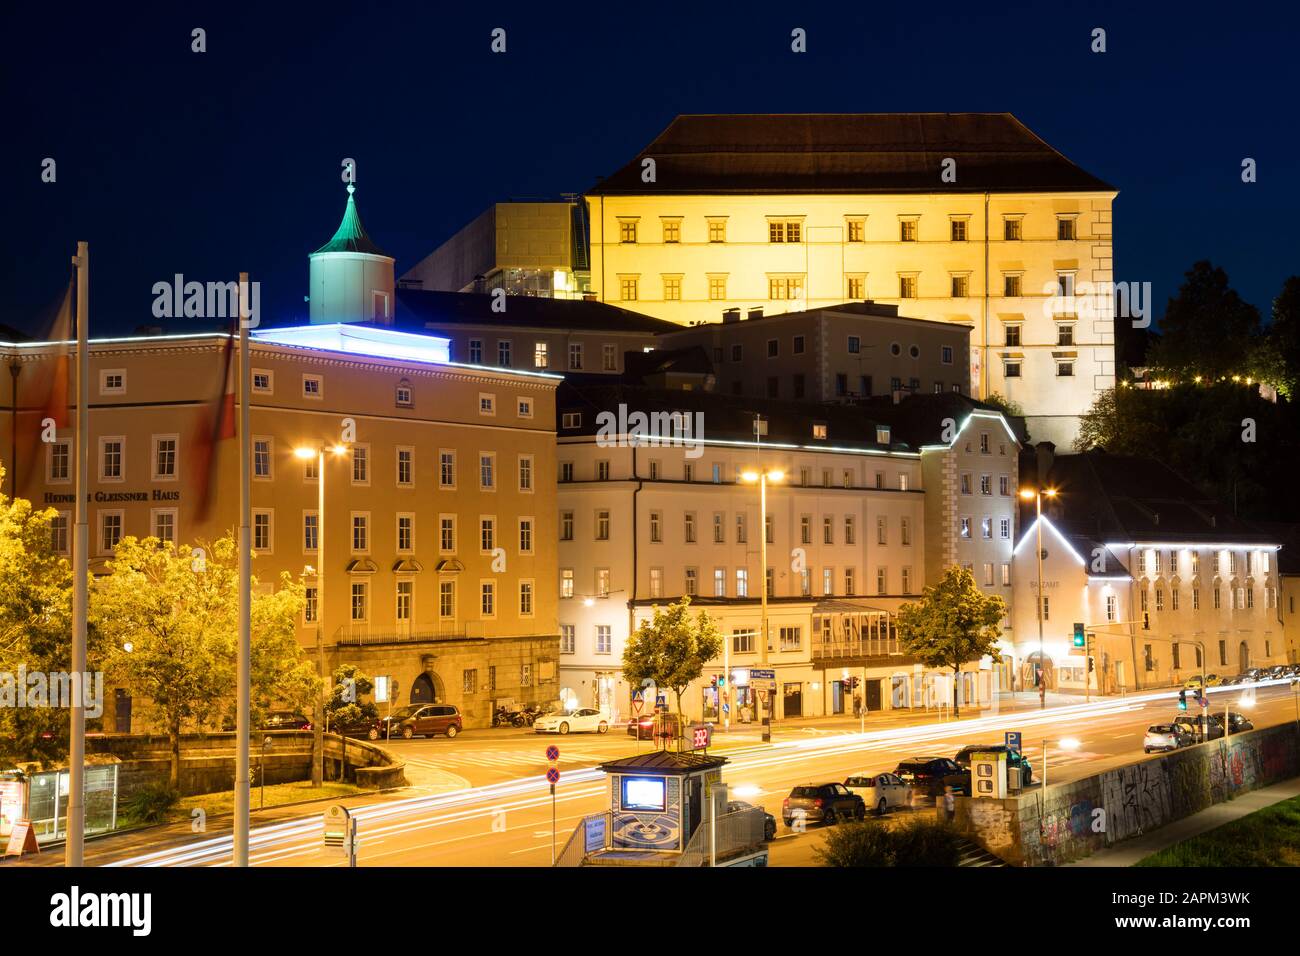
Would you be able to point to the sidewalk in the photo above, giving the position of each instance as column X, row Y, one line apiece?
column 1131, row 852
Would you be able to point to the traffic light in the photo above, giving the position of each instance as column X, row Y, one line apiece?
column 854, row 684
column 1092, row 664
column 715, row 681
column 1182, row 700
column 1079, row 639
column 722, row 680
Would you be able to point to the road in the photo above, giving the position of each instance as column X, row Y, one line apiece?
column 504, row 816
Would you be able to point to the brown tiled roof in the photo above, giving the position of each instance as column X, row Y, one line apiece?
column 848, row 153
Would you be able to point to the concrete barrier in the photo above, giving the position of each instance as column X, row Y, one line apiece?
column 1075, row 819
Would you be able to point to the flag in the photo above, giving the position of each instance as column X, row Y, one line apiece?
column 215, row 423
column 51, row 395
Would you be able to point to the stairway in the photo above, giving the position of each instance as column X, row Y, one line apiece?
column 974, row 855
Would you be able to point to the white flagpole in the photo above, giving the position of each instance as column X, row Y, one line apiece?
column 243, row 653
column 74, row 848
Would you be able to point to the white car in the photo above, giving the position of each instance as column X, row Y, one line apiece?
column 575, row 721
column 881, row 792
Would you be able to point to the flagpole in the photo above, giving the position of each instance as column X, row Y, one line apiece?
column 74, row 848
column 243, row 653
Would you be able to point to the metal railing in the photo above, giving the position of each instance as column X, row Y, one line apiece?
column 575, row 849
column 734, row 833
column 358, row 634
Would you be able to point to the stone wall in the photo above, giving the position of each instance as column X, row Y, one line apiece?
column 208, row 760
column 1089, row 814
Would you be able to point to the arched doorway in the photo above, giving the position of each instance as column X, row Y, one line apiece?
column 1031, row 674
column 426, row 689
column 1243, row 654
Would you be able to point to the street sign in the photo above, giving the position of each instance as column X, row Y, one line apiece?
column 594, row 833
column 636, row 703
column 761, row 674
column 1013, row 739
column 701, row 736
column 552, row 776
column 341, row 833
column 552, row 753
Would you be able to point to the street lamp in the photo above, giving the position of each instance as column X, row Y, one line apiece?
column 1064, row 743
column 761, row 478
column 318, row 725
column 266, row 742
column 1037, row 495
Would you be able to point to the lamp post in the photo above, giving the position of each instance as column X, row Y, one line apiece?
column 1037, row 495
column 1065, row 743
column 318, row 725
column 762, row 478
column 266, row 742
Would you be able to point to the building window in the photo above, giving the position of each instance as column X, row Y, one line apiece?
column 361, row 464
column 309, row 610
column 525, row 598
column 986, row 484
column 1065, row 334
column 850, row 529
column 262, row 381
column 1065, row 228
column 785, row 287
column 487, row 535
column 717, row 288
column 405, row 595
column 907, row 230
column 110, row 530
column 164, row 524
column 742, row 582
column 882, row 581
column 360, row 532
column 541, row 356
column 406, row 532
column 487, row 471
column 856, row 230
column 783, row 230
column 688, row 527
column 60, row 461
column 568, row 638
column 1011, row 229
column 526, row 473
column 487, row 404
column 164, row 457
column 488, row 599
column 907, row 287
column 905, row 526
column 656, row 526
column 575, row 363
column 566, row 525
column 359, row 589
column 403, row 395
column 627, row 230
column 604, row 639
column 609, row 358
column 717, row 230
column 602, row 525
column 960, row 286
column 405, row 466
column 627, row 288
column 310, row 531
column 313, row 386
column 672, row 230
column 1004, row 528
column 476, row 351
column 855, row 287
column 1011, row 369
column 111, row 458
column 958, row 230
column 672, row 288
column 1011, row 286
column 1065, row 369
column 525, row 535
column 447, row 599
column 742, row 642
column 692, row 582
column 446, row 469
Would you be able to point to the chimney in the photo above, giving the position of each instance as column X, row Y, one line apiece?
column 756, row 312
column 1045, row 454
column 730, row 315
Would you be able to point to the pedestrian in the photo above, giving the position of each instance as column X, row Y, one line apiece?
column 949, row 804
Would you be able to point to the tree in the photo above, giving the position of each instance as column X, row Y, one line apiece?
column 344, row 708
column 954, row 623
column 1207, row 329
column 1284, row 336
column 671, row 649
column 35, row 630
column 1007, row 406
column 170, row 623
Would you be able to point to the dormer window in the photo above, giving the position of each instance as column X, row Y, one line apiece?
column 882, row 434
column 819, row 430
column 404, row 394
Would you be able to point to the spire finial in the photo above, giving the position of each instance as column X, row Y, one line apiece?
column 352, row 187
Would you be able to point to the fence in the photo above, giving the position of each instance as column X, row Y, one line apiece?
column 734, row 832
column 575, row 850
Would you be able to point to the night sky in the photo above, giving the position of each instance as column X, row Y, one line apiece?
column 207, row 164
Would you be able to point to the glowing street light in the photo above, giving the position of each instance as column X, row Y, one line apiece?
column 1037, row 495
column 306, row 453
column 761, row 478
column 1064, row 743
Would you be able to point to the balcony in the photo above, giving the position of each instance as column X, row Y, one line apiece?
column 360, row 635
column 845, row 633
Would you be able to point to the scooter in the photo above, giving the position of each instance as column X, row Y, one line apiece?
column 527, row 716
column 504, row 717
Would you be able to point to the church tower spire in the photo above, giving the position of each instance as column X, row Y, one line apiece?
column 351, row 278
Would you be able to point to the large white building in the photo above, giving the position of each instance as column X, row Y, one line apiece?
column 1152, row 568
column 962, row 217
column 849, row 540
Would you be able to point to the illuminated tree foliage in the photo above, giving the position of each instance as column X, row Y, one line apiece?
column 672, row 649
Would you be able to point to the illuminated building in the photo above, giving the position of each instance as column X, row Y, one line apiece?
column 791, row 212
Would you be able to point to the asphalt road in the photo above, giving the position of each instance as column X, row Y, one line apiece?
column 504, row 816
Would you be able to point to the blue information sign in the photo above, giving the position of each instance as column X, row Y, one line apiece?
column 1013, row 739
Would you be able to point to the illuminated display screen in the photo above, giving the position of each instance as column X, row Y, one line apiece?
column 643, row 793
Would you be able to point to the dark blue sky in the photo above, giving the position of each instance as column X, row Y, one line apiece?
column 206, row 164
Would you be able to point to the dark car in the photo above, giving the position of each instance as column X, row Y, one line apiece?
column 422, row 720
column 643, row 727
column 1238, row 723
column 285, row 720
column 929, row 775
column 1276, row 672
column 823, row 803
column 371, row 728
column 769, row 821
column 1016, row 761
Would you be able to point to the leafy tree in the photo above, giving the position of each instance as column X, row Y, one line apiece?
column 1284, row 337
column 953, row 624
column 35, row 628
column 1207, row 329
column 671, row 649
column 1008, row 407
column 344, row 706
column 171, row 627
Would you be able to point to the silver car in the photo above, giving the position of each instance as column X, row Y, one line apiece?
column 1167, row 737
column 881, row 792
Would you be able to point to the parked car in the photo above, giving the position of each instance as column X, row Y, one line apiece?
column 422, row 720
column 1252, row 674
column 1276, row 672
column 1211, row 680
column 822, row 803
column 1167, row 737
column 1214, row 729
column 881, row 792
column 929, row 775
column 1016, row 761
column 371, row 729
column 577, row 720
column 1236, row 679
column 769, row 821
column 285, row 720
